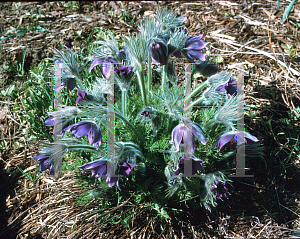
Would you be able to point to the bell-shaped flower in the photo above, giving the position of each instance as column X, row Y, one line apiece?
column 186, row 134
column 43, row 165
column 231, row 138
column 99, row 169
column 83, row 128
column 159, row 51
column 220, row 189
column 196, row 165
column 107, row 67
column 192, row 50
column 124, row 169
column 229, row 87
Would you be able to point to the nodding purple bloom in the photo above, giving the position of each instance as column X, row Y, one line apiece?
column 43, row 165
column 196, row 165
column 159, row 52
column 146, row 114
column 220, row 189
column 229, row 87
column 83, row 128
column 124, row 169
column 99, row 169
column 186, row 134
column 192, row 50
column 81, row 94
column 69, row 43
column 231, row 138
column 106, row 67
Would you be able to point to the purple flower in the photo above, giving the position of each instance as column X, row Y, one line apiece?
column 159, row 52
column 69, row 43
column 99, row 169
column 81, row 94
column 83, row 128
column 220, row 189
column 43, row 165
column 124, row 169
column 192, row 50
column 231, row 138
column 186, row 134
column 196, row 165
column 229, row 87
column 106, row 66
column 123, row 69
column 146, row 114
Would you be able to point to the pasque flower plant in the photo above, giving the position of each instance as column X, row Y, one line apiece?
column 166, row 152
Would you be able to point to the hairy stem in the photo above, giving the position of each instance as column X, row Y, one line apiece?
column 140, row 75
column 124, row 102
column 149, row 72
column 163, row 81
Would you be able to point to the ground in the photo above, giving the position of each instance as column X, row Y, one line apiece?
column 246, row 36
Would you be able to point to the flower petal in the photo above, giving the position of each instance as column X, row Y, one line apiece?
column 188, row 140
column 177, row 135
column 95, row 63
column 199, row 133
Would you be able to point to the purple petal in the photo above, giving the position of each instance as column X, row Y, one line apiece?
column 177, row 135
column 188, row 140
column 107, row 68
column 83, row 129
column 177, row 54
column 39, row 157
column 196, row 54
column 50, row 121
column 94, row 135
column 199, row 133
column 44, row 165
column 111, row 181
column 95, row 63
column 224, row 139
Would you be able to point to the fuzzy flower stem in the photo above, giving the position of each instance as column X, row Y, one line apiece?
column 197, row 89
column 80, row 146
column 195, row 102
column 124, row 101
column 163, row 81
column 149, row 71
column 140, row 75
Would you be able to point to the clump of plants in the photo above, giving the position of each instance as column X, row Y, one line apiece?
column 144, row 138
